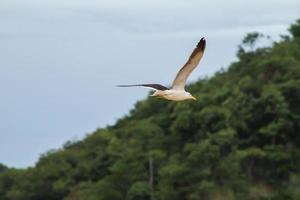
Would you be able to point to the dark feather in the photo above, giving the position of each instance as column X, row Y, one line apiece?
column 155, row 86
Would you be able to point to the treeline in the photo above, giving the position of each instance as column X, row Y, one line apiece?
column 240, row 140
column 3, row 168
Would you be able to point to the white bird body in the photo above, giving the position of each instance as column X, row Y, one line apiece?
column 177, row 91
column 173, row 95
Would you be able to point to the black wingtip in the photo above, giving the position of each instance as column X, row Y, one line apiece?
column 202, row 43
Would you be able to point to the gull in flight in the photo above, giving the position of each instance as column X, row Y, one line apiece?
column 177, row 91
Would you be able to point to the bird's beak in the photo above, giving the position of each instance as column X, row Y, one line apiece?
column 194, row 98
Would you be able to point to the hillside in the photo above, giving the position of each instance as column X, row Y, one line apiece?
column 240, row 140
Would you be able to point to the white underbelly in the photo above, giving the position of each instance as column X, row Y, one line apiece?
column 175, row 95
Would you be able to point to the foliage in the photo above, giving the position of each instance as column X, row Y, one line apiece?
column 240, row 140
column 3, row 168
column 295, row 29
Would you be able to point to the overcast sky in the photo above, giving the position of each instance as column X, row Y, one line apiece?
column 60, row 60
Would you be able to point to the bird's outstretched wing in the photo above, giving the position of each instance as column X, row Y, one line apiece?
column 190, row 65
column 153, row 86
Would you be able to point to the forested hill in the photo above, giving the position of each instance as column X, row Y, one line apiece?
column 240, row 140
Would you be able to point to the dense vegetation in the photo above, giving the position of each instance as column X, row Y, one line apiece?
column 240, row 140
column 3, row 168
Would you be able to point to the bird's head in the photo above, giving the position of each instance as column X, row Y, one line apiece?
column 191, row 97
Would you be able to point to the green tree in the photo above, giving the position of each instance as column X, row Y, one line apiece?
column 295, row 29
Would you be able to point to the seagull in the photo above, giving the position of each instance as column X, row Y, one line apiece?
column 177, row 91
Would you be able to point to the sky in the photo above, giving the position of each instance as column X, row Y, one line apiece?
column 61, row 59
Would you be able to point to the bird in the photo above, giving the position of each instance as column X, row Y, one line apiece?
column 177, row 91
